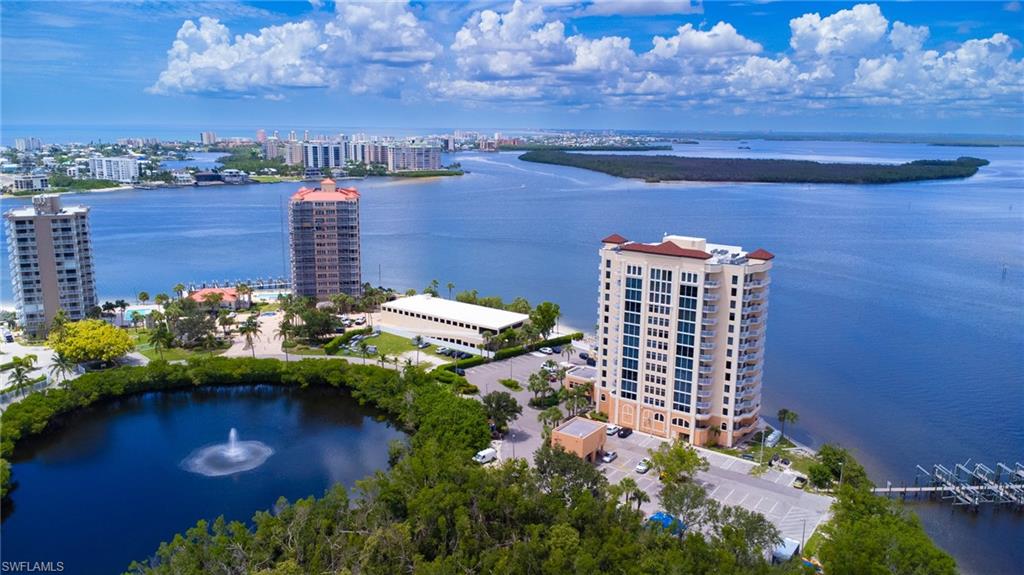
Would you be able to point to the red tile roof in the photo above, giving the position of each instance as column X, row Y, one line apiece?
column 666, row 249
column 318, row 195
column 229, row 294
column 760, row 254
column 614, row 239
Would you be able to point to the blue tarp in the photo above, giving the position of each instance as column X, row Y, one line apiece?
column 667, row 521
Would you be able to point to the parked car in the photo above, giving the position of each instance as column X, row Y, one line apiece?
column 643, row 467
column 360, row 320
column 800, row 482
column 612, row 429
column 625, row 432
column 609, row 456
column 463, row 355
column 371, row 349
column 460, row 371
column 423, row 345
column 557, row 349
column 486, row 455
column 666, row 521
column 591, row 362
column 442, row 350
column 546, row 351
column 584, row 355
column 748, row 456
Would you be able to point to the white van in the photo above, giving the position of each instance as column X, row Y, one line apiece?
column 486, row 455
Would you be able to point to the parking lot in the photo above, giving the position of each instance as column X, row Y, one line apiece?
column 795, row 512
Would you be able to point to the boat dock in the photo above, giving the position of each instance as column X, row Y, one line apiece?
column 966, row 485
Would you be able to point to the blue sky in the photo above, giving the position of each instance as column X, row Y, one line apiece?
column 643, row 64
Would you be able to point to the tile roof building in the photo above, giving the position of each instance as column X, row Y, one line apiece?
column 324, row 241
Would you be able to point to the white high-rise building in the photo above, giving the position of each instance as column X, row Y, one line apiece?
column 208, row 138
column 681, row 328
column 124, row 169
column 50, row 253
column 322, row 155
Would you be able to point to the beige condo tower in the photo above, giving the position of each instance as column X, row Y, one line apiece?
column 681, row 328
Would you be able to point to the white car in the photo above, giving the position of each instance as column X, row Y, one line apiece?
column 643, row 467
column 609, row 456
column 612, row 429
column 486, row 455
column 546, row 351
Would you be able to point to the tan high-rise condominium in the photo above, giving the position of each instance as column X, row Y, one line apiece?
column 681, row 328
column 324, row 224
column 51, row 267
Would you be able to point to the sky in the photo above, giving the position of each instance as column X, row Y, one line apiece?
column 923, row 67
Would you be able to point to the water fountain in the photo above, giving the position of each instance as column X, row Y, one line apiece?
column 227, row 458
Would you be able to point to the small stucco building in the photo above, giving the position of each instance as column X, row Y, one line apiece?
column 230, row 299
column 448, row 321
column 582, row 436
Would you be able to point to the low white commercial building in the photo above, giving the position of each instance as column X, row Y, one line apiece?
column 31, row 182
column 449, row 321
column 124, row 169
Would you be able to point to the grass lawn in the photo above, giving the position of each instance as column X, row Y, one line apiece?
column 141, row 339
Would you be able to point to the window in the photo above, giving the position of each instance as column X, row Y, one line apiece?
column 734, row 280
column 659, row 417
column 724, row 428
column 725, row 411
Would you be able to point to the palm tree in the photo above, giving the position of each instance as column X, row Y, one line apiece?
column 363, row 350
column 451, row 288
column 121, row 306
column 179, row 289
column 640, row 496
column 20, row 369
column 135, row 318
column 161, row 339
column 213, row 300
column 161, row 299
column 61, row 368
column 538, row 384
column 244, row 290
column 143, row 297
column 417, row 341
column 210, row 343
column 383, row 358
column 282, row 333
column 786, row 416
column 567, row 351
column 59, row 323
column 109, row 307
column 250, row 330
column 550, row 418
column 225, row 321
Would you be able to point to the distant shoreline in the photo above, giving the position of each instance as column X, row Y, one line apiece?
column 663, row 168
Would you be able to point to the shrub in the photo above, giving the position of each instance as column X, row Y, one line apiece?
column 335, row 344
column 598, row 416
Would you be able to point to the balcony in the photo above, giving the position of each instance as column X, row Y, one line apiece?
column 750, row 357
column 758, row 283
column 710, row 308
column 709, row 321
column 711, row 296
column 750, row 369
column 704, row 381
column 705, row 369
column 748, row 392
column 707, row 357
column 705, row 405
column 748, row 333
column 749, row 380
column 708, row 333
column 704, row 393
column 750, row 322
column 711, row 284
column 702, row 416
column 750, row 345
column 707, row 345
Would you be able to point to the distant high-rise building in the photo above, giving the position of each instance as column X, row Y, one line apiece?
column 293, row 153
column 681, row 328
column 27, row 144
column 305, row 136
column 261, row 135
column 322, row 155
column 324, row 242
column 124, row 169
column 50, row 254
column 409, row 157
column 208, row 138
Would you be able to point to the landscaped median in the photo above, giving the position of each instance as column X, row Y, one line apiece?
column 416, row 400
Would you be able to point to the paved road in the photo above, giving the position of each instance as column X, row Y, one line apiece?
column 795, row 512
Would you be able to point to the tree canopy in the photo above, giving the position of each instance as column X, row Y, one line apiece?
column 91, row 340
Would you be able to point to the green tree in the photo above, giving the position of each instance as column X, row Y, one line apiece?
column 451, row 288
column 122, row 306
column 544, row 317
column 550, row 418
column 689, row 503
column 538, row 384
column 871, row 534
column 62, row 368
column 225, row 321
column 250, row 331
column 501, row 408
column 786, row 416
column 143, row 297
column 519, row 305
column 282, row 333
column 179, row 289
column 676, row 462
column 91, row 340
column 161, row 339
column 20, row 368
column 746, row 534
column 161, row 299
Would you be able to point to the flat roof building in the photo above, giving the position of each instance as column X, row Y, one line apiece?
column 681, row 337
column 50, row 252
column 324, row 241
column 581, row 436
column 448, row 320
